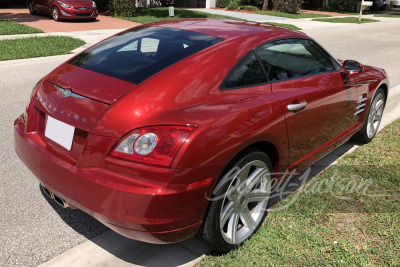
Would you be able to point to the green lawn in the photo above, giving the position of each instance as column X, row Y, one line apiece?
column 37, row 47
column 347, row 216
column 389, row 15
column 289, row 26
column 342, row 12
column 347, row 20
column 292, row 16
column 147, row 15
column 11, row 27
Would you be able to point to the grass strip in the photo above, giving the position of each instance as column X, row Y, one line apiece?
column 347, row 20
column 292, row 16
column 289, row 26
column 37, row 47
column 8, row 27
column 146, row 15
column 349, row 215
column 389, row 15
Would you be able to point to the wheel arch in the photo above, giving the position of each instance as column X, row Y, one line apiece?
column 385, row 89
column 264, row 146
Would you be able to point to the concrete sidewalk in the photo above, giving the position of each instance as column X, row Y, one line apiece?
column 112, row 249
column 239, row 15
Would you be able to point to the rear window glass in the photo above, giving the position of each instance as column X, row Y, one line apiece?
column 137, row 54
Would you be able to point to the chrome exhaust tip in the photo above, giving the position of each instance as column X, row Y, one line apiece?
column 56, row 198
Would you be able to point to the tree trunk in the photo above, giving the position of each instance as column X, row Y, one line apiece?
column 267, row 5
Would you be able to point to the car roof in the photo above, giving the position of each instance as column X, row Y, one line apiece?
column 227, row 28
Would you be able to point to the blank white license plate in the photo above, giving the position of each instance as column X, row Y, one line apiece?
column 59, row 132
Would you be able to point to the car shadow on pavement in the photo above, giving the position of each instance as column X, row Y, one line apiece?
column 114, row 249
column 78, row 220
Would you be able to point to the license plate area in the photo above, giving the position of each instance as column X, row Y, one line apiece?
column 59, row 132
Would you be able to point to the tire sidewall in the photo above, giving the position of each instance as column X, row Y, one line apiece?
column 58, row 14
column 365, row 127
column 212, row 221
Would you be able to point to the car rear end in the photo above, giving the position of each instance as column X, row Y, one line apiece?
column 134, row 199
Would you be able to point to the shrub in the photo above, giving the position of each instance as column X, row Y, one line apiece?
column 222, row 3
column 313, row 4
column 124, row 8
column 249, row 8
column 343, row 4
column 288, row 6
column 103, row 5
column 233, row 5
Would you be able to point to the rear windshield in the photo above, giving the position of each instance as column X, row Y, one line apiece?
column 137, row 54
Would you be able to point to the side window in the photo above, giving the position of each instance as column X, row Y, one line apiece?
column 292, row 58
column 246, row 72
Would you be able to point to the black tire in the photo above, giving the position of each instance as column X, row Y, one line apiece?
column 31, row 8
column 235, row 213
column 55, row 14
column 373, row 118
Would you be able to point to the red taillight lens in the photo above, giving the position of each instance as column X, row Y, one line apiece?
column 156, row 145
column 33, row 92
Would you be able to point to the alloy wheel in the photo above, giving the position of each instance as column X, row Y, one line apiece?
column 245, row 202
column 55, row 14
column 375, row 115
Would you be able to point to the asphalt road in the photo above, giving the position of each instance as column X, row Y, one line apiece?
column 34, row 229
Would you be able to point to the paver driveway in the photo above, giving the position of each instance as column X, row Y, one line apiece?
column 47, row 24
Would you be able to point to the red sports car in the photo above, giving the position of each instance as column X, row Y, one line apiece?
column 64, row 9
column 178, row 127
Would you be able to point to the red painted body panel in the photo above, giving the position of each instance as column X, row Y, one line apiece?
column 151, row 203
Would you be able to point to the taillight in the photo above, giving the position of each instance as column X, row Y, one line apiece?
column 33, row 92
column 156, row 145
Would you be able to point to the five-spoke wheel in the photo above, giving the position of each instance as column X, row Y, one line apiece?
column 373, row 119
column 239, row 203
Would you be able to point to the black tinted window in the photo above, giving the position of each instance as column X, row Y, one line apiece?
column 292, row 58
column 246, row 72
column 137, row 54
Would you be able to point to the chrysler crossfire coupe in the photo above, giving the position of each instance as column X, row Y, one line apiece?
column 178, row 128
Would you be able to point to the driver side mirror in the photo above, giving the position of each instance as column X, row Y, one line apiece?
column 352, row 67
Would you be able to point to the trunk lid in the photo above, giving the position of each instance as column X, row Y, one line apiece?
column 77, row 96
column 90, row 84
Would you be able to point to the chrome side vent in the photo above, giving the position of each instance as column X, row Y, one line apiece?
column 361, row 105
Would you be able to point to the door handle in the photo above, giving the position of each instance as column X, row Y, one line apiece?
column 296, row 107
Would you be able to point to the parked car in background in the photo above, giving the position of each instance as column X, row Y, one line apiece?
column 64, row 9
column 178, row 127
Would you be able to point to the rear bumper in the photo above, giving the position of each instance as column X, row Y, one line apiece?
column 155, row 213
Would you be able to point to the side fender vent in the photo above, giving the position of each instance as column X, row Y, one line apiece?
column 361, row 105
